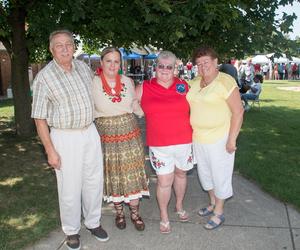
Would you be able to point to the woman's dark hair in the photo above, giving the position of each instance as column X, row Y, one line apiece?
column 204, row 51
column 109, row 50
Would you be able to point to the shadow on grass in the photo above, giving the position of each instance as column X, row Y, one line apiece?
column 28, row 207
column 268, row 151
column 262, row 100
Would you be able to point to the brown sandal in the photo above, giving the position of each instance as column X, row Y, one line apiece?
column 120, row 216
column 136, row 219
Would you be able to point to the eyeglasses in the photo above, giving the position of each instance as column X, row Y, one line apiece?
column 162, row 66
column 60, row 46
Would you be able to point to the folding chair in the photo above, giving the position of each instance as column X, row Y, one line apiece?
column 256, row 101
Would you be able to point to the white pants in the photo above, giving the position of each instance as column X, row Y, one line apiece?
column 215, row 167
column 80, row 179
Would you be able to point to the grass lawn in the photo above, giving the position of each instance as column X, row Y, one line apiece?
column 28, row 199
column 268, row 146
column 267, row 153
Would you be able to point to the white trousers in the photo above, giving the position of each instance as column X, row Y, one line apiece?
column 215, row 167
column 80, row 179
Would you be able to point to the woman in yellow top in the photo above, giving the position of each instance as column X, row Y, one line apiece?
column 216, row 119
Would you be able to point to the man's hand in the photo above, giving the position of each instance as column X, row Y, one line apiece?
column 52, row 155
column 54, row 159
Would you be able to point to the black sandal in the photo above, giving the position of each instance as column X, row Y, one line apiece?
column 136, row 218
column 120, row 216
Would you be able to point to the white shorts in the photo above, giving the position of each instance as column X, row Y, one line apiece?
column 164, row 159
column 215, row 167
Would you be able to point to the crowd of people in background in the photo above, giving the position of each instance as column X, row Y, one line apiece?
column 270, row 71
column 286, row 71
column 245, row 69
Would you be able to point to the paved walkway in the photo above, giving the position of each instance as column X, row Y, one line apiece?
column 254, row 220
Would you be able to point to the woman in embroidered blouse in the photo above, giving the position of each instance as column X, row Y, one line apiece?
column 168, row 134
column 115, row 101
column 216, row 118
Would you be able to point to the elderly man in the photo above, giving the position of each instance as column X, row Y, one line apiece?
column 62, row 102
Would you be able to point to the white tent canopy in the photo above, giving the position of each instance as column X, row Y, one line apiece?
column 260, row 59
column 281, row 60
column 263, row 59
column 295, row 59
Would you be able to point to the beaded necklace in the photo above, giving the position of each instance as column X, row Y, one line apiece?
column 111, row 91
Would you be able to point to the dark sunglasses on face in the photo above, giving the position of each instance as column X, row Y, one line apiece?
column 162, row 66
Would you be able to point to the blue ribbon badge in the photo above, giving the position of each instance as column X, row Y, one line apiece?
column 180, row 88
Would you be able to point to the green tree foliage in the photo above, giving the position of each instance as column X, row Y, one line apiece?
column 233, row 27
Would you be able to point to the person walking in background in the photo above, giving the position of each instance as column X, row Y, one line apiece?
column 189, row 67
column 115, row 101
column 281, row 70
column 62, row 100
column 168, row 135
column 294, row 71
column 265, row 70
column 257, row 68
column 216, row 119
column 276, row 72
column 249, row 72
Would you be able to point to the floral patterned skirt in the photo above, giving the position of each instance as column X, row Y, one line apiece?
column 124, row 160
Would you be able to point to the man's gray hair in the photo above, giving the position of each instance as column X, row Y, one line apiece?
column 56, row 32
column 165, row 54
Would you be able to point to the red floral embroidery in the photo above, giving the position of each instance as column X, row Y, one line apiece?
column 190, row 159
column 117, row 98
column 157, row 163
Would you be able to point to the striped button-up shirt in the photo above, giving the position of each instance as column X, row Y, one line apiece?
column 63, row 98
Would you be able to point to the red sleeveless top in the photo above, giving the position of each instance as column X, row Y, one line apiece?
column 167, row 113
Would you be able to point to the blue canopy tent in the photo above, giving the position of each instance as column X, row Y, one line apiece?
column 150, row 56
column 132, row 56
column 123, row 52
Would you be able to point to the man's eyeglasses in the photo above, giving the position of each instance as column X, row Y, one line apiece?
column 60, row 46
column 162, row 66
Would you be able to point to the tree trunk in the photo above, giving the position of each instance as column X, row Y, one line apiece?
column 19, row 74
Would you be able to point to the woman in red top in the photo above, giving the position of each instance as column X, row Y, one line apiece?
column 168, row 134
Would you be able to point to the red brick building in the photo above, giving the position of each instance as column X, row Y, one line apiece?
column 5, row 70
